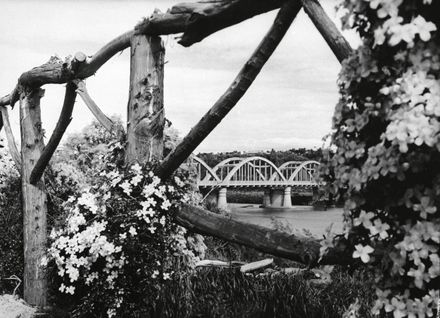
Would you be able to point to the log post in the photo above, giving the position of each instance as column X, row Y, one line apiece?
column 145, row 113
column 34, row 199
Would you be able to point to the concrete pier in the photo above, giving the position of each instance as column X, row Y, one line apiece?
column 287, row 199
column 222, row 202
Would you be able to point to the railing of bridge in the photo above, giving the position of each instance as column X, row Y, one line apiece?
column 256, row 172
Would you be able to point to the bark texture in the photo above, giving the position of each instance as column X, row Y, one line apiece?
column 145, row 113
column 55, row 139
column 236, row 90
column 200, row 19
column 295, row 247
column 327, row 28
column 96, row 111
column 34, row 199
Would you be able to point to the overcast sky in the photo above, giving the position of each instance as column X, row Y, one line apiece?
column 289, row 105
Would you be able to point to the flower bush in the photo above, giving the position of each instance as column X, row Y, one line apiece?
column 119, row 242
column 11, row 222
column 387, row 141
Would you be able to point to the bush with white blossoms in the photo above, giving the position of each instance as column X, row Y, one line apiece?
column 7, row 168
column 387, row 160
column 119, row 242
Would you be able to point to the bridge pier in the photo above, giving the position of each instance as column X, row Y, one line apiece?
column 266, row 200
column 280, row 198
column 287, row 199
column 222, row 202
column 276, row 198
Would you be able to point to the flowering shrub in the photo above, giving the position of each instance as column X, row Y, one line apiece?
column 119, row 242
column 7, row 169
column 387, row 140
column 11, row 222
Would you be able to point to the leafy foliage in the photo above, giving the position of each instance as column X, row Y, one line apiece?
column 387, row 140
column 11, row 243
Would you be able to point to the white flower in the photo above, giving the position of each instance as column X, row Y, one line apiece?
column 136, row 168
column 379, row 228
column 364, row 219
column 123, row 236
column 132, row 231
column 166, row 205
column 43, row 261
column 179, row 182
column 70, row 290
column 162, row 220
column 155, row 274
column 424, row 28
column 362, row 252
column 136, row 179
column 152, row 229
column 126, row 186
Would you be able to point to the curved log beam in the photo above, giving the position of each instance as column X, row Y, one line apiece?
column 96, row 111
column 235, row 91
column 327, row 28
column 54, row 141
column 295, row 247
column 15, row 154
column 10, row 99
column 196, row 20
column 200, row 19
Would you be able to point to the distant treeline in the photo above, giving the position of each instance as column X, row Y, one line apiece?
column 278, row 157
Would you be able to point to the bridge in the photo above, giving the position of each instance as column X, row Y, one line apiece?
column 257, row 172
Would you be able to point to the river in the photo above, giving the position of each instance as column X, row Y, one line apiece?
column 293, row 219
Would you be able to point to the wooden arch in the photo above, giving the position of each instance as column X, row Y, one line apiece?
column 196, row 21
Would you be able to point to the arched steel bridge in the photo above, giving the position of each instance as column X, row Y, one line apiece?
column 256, row 172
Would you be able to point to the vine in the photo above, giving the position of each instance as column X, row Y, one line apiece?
column 387, row 141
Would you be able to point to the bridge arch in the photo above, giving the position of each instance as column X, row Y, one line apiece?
column 253, row 167
column 287, row 169
column 305, row 171
column 223, row 168
column 210, row 174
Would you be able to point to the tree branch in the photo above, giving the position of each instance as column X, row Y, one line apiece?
column 235, row 91
column 327, row 28
column 63, row 121
column 295, row 247
column 15, row 154
column 96, row 111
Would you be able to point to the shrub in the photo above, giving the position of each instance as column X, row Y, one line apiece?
column 119, row 243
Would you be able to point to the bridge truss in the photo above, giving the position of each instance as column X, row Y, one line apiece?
column 256, row 172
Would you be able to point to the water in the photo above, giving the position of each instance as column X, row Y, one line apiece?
column 295, row 219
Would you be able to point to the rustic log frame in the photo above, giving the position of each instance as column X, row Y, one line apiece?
column 15, row 153
column 303, row 249
column 91, row 105
column 145, row 110
column 34, row 199
column 235, row 91
column 338, row 44
column 196, row 21
column 63, row 121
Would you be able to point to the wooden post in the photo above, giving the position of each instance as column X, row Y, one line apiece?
column 145, row 119
column 34, row 199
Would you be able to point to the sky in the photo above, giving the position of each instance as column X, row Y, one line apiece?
column 289, row 105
